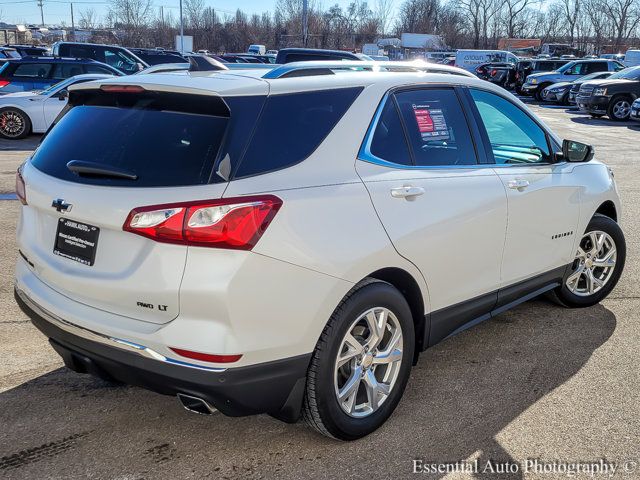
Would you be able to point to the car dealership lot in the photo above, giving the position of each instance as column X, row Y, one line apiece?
column 536, row 382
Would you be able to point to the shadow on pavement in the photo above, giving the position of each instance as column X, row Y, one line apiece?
column 461, row 395
column 25, row 144
column 588, row 120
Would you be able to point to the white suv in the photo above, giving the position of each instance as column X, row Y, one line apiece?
column 288, row 241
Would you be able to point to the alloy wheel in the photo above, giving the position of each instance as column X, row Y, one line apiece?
column 621, row 109
column 594, row 264
column 368, row 362
column 12, row 124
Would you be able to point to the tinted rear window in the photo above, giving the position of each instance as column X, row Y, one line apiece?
column 162, row 147
column 292, row 126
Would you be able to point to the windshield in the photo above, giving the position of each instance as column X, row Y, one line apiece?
column 632, row 73
column 54, row 87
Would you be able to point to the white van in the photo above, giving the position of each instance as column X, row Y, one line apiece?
column 470, row 59
column 632, row 58
column 257, row 49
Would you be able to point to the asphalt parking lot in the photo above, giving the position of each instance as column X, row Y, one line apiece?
column 537, row 382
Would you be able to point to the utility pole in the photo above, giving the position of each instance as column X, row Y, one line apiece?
column 73, row 25
column 181, row 30
column 305, row 22
column 41, row 12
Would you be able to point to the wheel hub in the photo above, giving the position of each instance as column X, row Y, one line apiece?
column 367, row 360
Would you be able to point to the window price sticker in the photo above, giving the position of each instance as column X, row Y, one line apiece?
column 431, row 123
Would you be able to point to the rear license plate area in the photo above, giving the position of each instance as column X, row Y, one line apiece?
column 76, row 241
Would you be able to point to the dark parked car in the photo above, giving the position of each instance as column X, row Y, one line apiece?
column 574, row 87
column 612, row 97
column 38, row 73
column 525, row 68
column 118, row 57
column 158, row 57
column 29, row 50
column 500, row 73
column 288, row 55
column 239, row 58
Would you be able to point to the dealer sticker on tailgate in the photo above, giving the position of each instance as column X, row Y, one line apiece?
column 76, row 241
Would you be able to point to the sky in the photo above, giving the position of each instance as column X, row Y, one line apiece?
column 57, row 11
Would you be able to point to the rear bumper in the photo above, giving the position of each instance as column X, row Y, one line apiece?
column 275, row 387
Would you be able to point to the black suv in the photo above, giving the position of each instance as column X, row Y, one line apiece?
column 154, row 56
column 118, row 57
column 612, row 97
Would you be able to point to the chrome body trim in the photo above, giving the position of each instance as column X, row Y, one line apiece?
column 107, row 340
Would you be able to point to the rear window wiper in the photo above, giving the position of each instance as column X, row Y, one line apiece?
column 99, row 170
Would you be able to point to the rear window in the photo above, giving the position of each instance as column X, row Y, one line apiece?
column 153, row 138
column 292, row 126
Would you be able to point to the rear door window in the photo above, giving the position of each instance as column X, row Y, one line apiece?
column 33, row 70
column 597, row 67
column 436, row 127
column 66, row 70
column 291, row 126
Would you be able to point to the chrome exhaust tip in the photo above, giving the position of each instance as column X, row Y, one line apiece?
column 195, row 404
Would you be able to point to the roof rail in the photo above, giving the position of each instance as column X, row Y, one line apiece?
column 165, row 67
column 305, row 69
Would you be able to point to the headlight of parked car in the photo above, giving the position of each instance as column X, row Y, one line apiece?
column 598, row 92
column 534, row 80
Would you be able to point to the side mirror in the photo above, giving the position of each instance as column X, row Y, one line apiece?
column 573, row 151
column 63, row 95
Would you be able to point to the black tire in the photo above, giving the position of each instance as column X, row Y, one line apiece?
column 565, row 100
column 321, row 409
column 566, row 297
column 616, row 103
column 9, row 117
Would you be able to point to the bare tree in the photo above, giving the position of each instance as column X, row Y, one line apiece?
column 383, row 11
column 132, row 17
column 88, row 19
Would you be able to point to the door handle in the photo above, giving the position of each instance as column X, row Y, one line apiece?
column 518, row 184
column 406, row 191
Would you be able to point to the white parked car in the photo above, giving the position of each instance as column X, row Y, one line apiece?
column 288, row 241
column 22, row 113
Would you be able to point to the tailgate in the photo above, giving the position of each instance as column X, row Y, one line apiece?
column 131, row 275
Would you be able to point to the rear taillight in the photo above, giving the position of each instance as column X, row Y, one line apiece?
column 4, row 83
column 21, row 190
column 493, row 72
column 236, row 223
